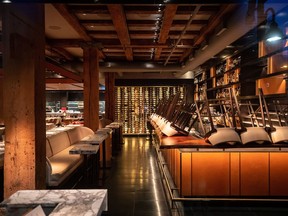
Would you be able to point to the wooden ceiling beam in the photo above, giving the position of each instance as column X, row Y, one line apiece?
column 213, row 22
column 60, row 80
column 61, row 51
column 97, row 22
column 63, row 72
column 64, row 42
column 73, row 21
column 90, row 9
column 169, row 13
column 119, row 20
column 108, row 43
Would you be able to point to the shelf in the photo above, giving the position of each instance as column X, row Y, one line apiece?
column 283, row 96
column 274, row 74
column 223, row 86
column 134, row 105
column 263, row 58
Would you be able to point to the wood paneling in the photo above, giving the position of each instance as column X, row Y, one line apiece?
column 278, row 174
column 177, row 167
column 186, row 171
column 254, row 173
column 272, row 85
column 234, row 174
column 210, row 175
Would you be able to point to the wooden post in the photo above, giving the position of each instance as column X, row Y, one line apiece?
column 189, row 93
column 24, row 97
column 110, row 96
column 1, row 100
column 91, row 87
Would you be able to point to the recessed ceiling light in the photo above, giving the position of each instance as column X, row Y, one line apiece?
column 6, row 1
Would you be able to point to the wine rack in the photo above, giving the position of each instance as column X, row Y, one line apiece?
column 134, row 105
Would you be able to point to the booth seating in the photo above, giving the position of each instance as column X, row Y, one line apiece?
column 59, row 163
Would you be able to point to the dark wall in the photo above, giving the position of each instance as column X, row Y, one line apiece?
column 64, row 96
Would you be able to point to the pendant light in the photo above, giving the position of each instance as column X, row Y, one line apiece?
column 274, row 33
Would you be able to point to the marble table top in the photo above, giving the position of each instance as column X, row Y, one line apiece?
column 104, row 130
column 56, row 130
column 67, row 202
column 95, row 139
column 84, row 149
column 114, row 125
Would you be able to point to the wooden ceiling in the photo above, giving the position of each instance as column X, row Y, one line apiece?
column 164, row 34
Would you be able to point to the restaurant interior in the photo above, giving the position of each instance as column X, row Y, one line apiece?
column 164, row 107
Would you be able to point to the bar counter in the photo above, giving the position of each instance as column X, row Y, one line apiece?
column 199, row 169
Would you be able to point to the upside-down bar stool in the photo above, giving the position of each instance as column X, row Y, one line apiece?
column 257, row 135
column 227, row 135
column 278, row 133
column 170, row 113
column 187, row 115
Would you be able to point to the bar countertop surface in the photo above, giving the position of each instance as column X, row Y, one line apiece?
column 67, row 202
column 192, row 143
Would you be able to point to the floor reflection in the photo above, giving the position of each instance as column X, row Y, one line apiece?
column 134, row 183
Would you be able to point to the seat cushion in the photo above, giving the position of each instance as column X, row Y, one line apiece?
column 78, row 133
column 59, row 142
column 74, row 135
column 49, row 152
column 63, row 164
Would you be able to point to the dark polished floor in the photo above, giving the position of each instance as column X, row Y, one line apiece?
column 133, row 181
column 135, row 189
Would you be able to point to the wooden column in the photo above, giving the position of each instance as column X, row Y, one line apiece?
column 110, row 96
column 189, row 93
column 91, row 87
column 1, row 99
column 24, row 97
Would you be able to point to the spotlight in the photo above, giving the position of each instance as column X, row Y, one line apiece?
column 273, row 33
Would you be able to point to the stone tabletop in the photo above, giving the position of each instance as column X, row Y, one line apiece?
column 114, row 125
column 84, row 149
column 105, row 130
column 95, row 139
column 67, row 202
